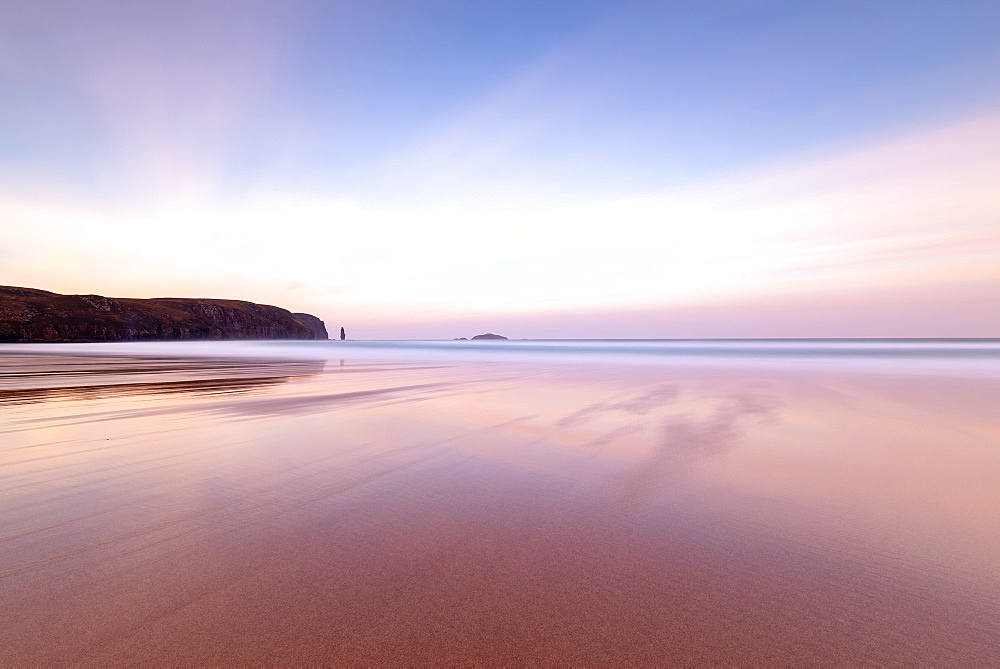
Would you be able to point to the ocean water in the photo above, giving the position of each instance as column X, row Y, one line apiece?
column 969, row 355
column 512, row 502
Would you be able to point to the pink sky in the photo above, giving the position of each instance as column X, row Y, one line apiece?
column 559, row 194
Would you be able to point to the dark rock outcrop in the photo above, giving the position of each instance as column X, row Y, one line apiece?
column 30, row 315
column 489, row 335
column 316, row 325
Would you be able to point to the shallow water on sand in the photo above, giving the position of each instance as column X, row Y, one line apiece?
column 396, row 503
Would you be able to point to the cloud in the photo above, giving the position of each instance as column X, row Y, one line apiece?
column 902, row 214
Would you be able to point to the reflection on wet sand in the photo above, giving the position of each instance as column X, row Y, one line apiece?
column 41, row 378
column 687, row 439
column 274, row 512
column 199, row 387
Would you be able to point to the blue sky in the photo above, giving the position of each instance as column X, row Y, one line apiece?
column 320, row 155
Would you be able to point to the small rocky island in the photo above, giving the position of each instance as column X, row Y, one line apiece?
column 32, row 315
column 489, row 335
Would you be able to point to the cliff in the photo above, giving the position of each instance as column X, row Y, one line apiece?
column 30, row 315
column 317, row 326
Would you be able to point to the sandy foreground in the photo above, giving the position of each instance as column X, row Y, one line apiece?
column 223, row 510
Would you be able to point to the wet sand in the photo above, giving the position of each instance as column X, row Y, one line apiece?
column 176, row 510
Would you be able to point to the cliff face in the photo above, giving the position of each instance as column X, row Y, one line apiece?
column 30, row 315
column 316, row 325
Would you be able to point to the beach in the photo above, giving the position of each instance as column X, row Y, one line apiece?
column 530, row 503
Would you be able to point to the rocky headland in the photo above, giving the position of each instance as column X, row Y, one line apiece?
column 316, row 325
column 32, row 315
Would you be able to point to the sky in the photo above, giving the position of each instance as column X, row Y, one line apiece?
column 544, row 168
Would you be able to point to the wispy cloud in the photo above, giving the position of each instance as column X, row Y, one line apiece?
column 919, row 210
column 454, row 220
column 170, row 87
